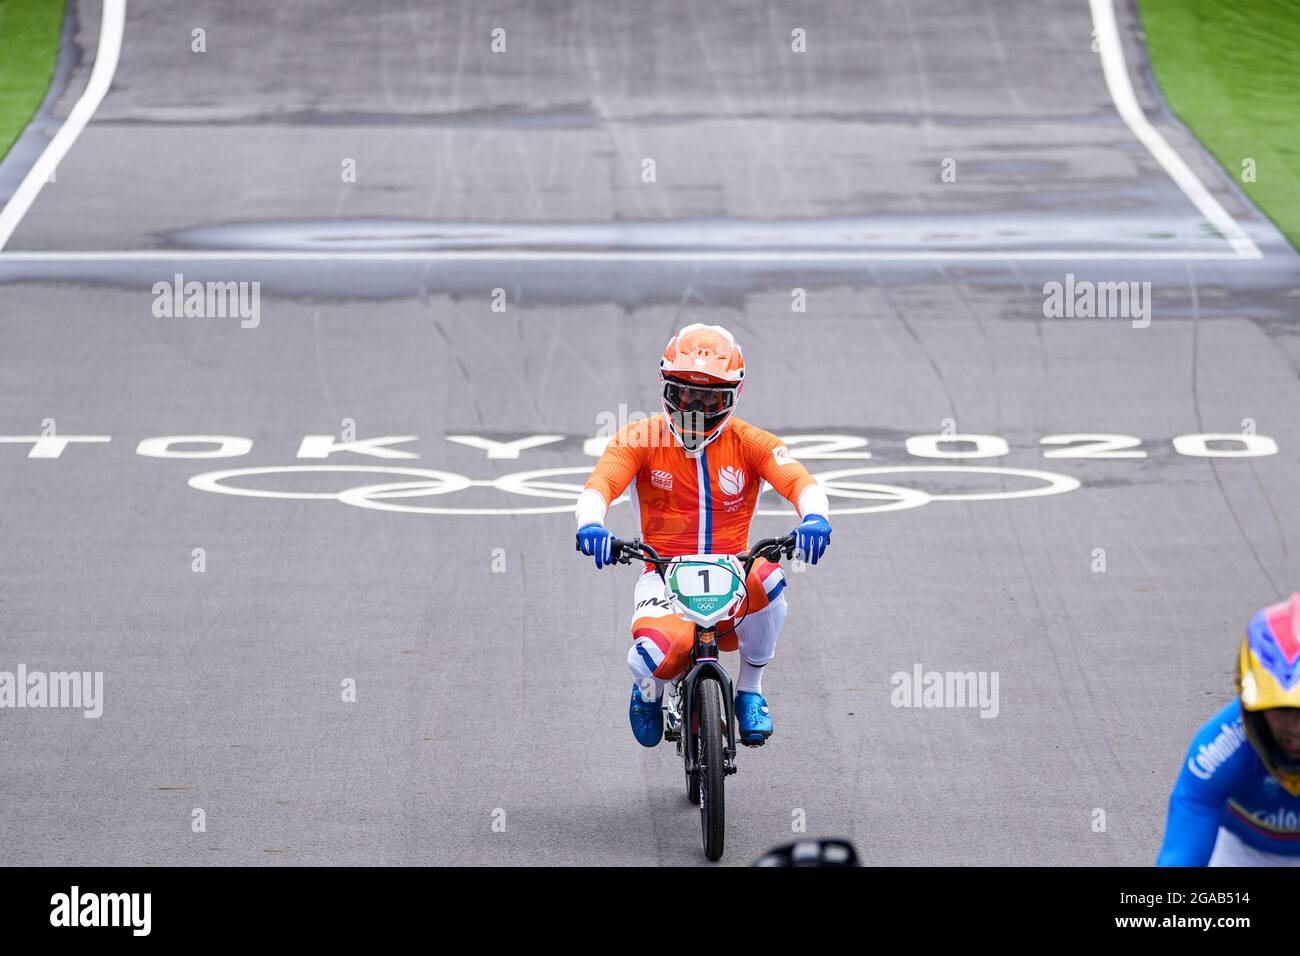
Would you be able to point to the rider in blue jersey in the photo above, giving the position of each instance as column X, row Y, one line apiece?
column 1237, row 799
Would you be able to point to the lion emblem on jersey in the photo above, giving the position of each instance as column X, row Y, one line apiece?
column 731, row 480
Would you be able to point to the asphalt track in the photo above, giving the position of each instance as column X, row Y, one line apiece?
column 499, row 696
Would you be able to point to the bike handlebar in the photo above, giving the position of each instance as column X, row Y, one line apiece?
column 623, row 552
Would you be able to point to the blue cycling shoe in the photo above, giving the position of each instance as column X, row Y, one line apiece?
column 647, row 717
column 754, row 718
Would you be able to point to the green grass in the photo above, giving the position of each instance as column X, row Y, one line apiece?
column 1230, row 69
column 29, row 44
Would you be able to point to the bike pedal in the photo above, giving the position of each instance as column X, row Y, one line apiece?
column 757, row 742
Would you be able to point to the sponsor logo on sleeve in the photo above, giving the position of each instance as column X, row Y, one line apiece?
column 782, row 455
column 1210, row 757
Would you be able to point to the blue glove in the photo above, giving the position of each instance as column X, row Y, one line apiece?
column 595, row 541
column 812, row 536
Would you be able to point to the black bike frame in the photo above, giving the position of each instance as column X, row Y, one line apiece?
column 705, row 656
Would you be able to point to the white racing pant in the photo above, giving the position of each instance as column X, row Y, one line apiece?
column 1229, row 850
column 662, row 641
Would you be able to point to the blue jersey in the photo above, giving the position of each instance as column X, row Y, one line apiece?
column 1223, row 783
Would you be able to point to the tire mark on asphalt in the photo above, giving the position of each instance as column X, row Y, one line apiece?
column 448, row 153
column 320, row 371
column 1076, row 716
column 999, row 51
column 488, row 341
column 922, row 77
column 907, row 326
column 1044, row 353
column 464, row 372
column 589, row 41
column 991, row 352
column 1200, row 424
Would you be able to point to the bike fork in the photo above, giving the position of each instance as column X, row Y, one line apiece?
column 686, row 701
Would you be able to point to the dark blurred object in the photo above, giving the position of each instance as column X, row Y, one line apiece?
column 827, row 852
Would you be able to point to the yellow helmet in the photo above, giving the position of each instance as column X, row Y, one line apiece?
column 1268, row 676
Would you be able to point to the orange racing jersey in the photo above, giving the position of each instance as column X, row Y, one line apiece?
column 701, row 505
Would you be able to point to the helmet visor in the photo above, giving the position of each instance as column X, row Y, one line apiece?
column 697, row 410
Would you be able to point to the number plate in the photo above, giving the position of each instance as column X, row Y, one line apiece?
column 706, row 586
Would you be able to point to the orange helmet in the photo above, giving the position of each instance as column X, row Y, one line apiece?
column 703, row 371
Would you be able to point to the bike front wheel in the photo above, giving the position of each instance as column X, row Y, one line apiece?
column 711, row 772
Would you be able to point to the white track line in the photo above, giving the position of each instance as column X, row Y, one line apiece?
column 101, row 78
column 1121, row 91
column 612, row 255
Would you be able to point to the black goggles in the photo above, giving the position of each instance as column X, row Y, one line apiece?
column 704, row 400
